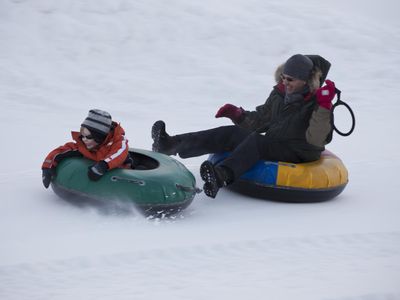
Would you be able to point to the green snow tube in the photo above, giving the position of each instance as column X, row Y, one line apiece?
column 159, row 184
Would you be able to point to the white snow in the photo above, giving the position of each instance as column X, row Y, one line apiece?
column 179, row 61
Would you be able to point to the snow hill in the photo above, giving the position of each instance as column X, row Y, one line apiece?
column 179, row 61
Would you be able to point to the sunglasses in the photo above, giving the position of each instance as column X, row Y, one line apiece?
column 86, row 137
column 289, row 79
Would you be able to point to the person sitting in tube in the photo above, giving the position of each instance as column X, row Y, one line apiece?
column 100, row 139
column 293, row 125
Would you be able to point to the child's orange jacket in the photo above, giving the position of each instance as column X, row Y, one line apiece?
column 114, row 150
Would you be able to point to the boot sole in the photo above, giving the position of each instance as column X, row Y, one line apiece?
column 209, row 177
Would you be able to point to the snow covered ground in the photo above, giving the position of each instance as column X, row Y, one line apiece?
column 180, row 61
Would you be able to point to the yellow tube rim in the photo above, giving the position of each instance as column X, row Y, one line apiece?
column 327, row 172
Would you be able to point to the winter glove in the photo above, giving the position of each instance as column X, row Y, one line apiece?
column 326, row 94
column 97, row 170
column 230, row 111
column 47, row 176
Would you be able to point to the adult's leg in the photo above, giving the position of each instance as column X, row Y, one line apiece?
column 192, row 144
column 258, row 147
column 252, row 149
column 216, row 140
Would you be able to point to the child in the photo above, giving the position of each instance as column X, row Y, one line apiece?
column 100, row 139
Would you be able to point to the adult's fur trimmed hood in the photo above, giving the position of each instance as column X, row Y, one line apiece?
column 318, row 73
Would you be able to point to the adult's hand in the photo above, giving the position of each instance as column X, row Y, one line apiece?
column 230, row 111
column 326, row 94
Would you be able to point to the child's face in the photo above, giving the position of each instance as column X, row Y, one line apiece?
column 88, row 139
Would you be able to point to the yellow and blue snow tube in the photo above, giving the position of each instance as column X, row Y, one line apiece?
column 316, row 181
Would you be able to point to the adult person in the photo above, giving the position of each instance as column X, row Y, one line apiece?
column 99, row 139
column 293, row 125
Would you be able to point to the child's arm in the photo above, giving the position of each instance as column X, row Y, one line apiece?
column 116, row 157
column 118, row 153
column 54, row 157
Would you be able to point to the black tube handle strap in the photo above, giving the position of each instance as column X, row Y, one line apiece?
column 338, row 103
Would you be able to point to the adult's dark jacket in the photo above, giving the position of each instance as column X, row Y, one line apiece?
column 302, row 124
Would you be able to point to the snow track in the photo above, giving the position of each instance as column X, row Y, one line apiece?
column 308, row 268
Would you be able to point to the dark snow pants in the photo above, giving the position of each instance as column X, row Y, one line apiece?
column 246, row 147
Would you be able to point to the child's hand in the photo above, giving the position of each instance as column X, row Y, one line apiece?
column 97, row 170
column 47, row 176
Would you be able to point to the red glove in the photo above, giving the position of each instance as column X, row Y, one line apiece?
column 326, row 94
column 230, row 111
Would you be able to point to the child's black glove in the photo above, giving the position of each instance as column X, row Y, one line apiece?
column 47, row 176
column 97, row 170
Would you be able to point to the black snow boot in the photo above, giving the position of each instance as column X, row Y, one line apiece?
column 214, row 178
column 162, row 141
